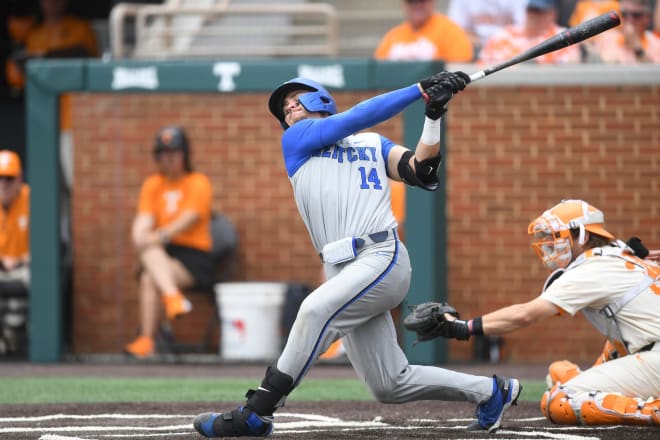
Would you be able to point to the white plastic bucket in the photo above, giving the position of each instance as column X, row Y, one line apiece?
column 250, row 314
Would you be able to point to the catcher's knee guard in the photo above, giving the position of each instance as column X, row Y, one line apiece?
column 614, row 409
column 561, row 372
column 556, row 406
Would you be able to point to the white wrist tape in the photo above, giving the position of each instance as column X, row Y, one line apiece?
column 431, row 131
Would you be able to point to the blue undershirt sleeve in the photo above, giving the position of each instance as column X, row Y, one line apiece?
column 306, row 137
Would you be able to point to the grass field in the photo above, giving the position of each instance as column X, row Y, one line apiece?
column 17, row 390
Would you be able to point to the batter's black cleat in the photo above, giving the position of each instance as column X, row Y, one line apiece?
column 241, row 422
column 489, row 413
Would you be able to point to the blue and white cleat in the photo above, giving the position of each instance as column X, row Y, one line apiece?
column 241, row 422
column 489, row 413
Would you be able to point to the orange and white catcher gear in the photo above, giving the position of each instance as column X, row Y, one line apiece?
column 563, row 371
column 560, row 406
column 552, row 231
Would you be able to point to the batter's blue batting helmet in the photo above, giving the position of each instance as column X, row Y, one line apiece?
column 318, row 100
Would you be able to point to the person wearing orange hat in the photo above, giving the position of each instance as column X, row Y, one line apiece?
column 616, row 285
column 14, row 220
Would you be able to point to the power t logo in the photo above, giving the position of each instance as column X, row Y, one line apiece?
column 226, row 72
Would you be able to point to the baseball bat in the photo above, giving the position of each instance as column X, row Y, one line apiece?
column 574, row 35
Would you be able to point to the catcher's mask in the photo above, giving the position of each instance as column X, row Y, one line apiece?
column 318, row 100
column 173, row 139
column 552, row 231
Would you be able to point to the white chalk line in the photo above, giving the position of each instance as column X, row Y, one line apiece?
column 93, row 416
column 309, row 423
column 59, row 437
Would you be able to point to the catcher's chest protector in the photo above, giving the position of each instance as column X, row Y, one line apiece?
column 650, row 280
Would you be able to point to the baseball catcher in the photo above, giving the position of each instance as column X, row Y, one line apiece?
column 616, row 285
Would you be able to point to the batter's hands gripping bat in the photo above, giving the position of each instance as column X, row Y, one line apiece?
column 566, row 38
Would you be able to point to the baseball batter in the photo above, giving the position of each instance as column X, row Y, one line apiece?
column 617, row 287
column 340, row 186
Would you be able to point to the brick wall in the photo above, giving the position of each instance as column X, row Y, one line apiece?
column 512, row 153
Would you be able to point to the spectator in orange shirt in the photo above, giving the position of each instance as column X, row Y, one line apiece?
column 540, row 24
column 425, row 35
column 14, row 221
column 632, row 42
column 58, row 35
column 171, row 234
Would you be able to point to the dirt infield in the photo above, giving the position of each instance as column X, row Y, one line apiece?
column 297, row 420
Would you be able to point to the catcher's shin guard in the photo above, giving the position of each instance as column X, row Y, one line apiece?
column 598, row 408
column 615, row 409
column 271, row 393
column 562, row 372
column 556, row 406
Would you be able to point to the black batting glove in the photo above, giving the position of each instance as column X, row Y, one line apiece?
column 436, row 104
column 455, row 81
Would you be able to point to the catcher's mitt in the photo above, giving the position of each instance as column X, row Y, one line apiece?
column 428, row 321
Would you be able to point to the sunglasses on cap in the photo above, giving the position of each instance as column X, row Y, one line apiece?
column 633, row 14
column 8, row 178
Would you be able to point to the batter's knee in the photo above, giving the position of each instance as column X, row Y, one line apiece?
column 310, row 314
column 387, row 390
column 384, row 394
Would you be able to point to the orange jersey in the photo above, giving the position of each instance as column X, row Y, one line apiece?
column 166, row 200
column 15, row 226
column 512, row 41
column 439, row 39
column 70, row 32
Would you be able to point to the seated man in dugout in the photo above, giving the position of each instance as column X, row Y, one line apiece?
column 172, row 237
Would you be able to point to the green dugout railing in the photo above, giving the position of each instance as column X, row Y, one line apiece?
column 46, row 80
